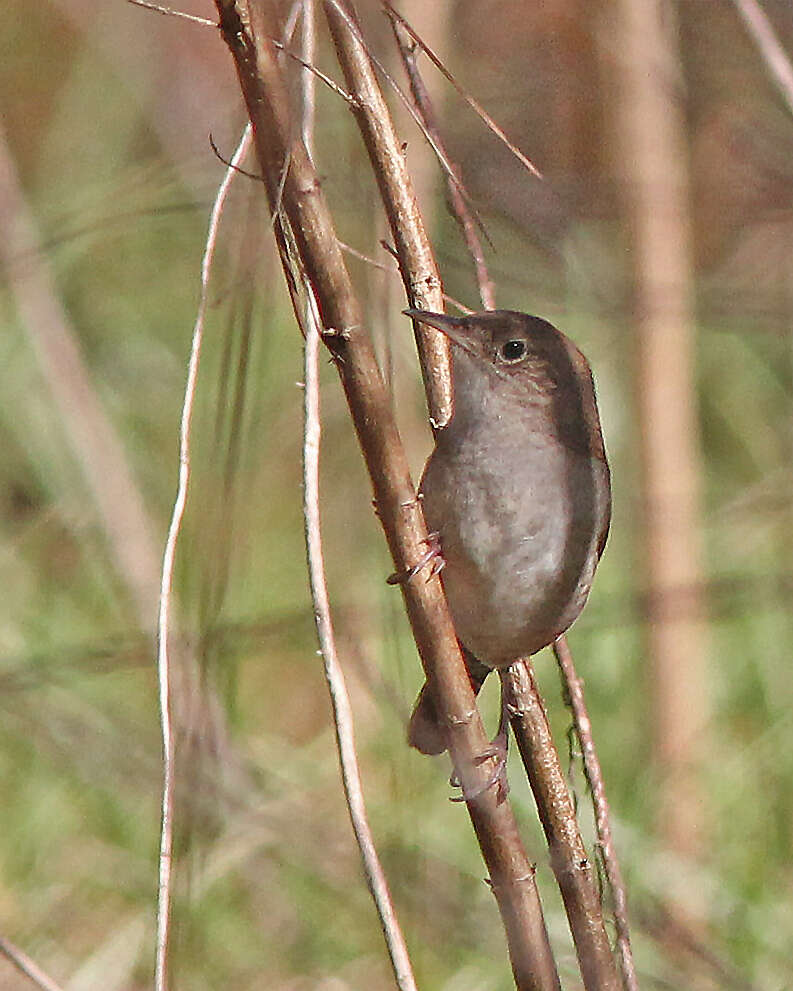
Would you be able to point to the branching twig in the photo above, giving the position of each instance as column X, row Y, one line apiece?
column 414, row 252
column 459, row 207
column 472, row 103
column 163, row 660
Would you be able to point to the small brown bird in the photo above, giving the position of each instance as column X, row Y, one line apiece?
column 518, row 492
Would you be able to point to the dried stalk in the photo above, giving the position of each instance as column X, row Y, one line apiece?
column 246, row 29
column 650, row 130
column 88, row 431
column 597, row 787
column 568, row 855
column 407, row 49
column 770, row 47
column 334, row 674
column 414, row 251
column 342, row 711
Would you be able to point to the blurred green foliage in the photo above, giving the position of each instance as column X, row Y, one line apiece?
column 106, row 113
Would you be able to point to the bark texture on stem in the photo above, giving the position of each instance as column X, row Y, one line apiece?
column 293, row 187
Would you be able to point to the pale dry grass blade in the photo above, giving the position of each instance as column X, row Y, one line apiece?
column 169, row 556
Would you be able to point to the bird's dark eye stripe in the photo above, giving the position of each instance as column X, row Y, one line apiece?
column 513, row 350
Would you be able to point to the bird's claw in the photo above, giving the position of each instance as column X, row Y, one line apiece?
column 432, row 554
column 497, row 751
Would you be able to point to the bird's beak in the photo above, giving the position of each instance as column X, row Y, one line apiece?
column 457, row 329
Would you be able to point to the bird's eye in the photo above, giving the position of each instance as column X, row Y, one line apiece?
column 513, row 350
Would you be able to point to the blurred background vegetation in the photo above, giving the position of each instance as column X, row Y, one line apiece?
column 107, row 177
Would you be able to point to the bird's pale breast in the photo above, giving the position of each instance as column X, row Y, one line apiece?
column 520, row 545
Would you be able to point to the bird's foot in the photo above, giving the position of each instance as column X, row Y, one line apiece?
column 432, row 554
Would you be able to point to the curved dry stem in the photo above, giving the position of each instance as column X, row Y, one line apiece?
column 342, row 711
column 169, row 556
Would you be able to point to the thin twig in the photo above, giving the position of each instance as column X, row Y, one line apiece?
column 309, row 66
column 305, row 61
column 308, row 40
column 458, row 203
column 775, row 56
column 163, row 659
column 29, row 967
column 342, row 712
column 353, row 26
column 334, row 674
column 569, row 861
column 594, row 776
column 170, row 12
column 394, row 270
column 472, row 103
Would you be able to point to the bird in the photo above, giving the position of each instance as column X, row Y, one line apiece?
column 516, row 496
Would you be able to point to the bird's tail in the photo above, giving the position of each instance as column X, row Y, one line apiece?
column 425, row 731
